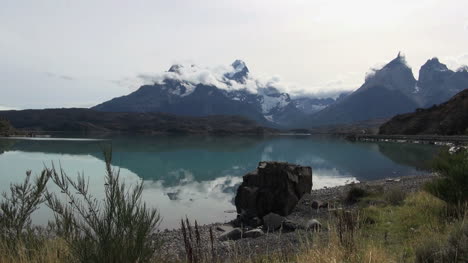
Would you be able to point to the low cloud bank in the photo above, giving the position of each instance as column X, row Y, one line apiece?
column 219, row 77
column 3, row 107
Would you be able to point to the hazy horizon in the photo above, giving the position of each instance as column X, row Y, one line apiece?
column 78, row 54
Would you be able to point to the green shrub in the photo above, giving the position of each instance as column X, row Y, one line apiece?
column 452, row 186
column 457, row 243
column 354, row 194
column 119, row 228
column 394, row 196
column 429, row 251
column 453, row 249
column 17, row 206
column 5, row 128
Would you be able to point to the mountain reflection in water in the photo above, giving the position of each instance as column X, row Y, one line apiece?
column 197, row 176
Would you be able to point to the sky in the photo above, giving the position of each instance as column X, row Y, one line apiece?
column 64, row 53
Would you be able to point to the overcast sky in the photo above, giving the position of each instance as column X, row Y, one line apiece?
column 64, row 53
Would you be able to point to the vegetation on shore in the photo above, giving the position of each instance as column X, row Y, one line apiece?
column 379, row 226
column 118, row 228
column 90, row 121
column 5, row 128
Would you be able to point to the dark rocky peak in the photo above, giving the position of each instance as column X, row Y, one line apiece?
column 396, row 75
column 240, row 71
column 399, row 61
column 434, row 64
column 433, row 73
column 239, row 65
column 175, row 68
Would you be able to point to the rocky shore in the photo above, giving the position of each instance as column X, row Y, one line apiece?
column 310, row 218
column 418, row 139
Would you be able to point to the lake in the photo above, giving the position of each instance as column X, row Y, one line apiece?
column 197, row 176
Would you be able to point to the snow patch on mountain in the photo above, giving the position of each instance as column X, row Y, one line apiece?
column 270, row 102
column 229, row 78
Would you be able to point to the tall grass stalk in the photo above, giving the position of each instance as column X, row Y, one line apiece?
column 119, row 228
column 17, row 235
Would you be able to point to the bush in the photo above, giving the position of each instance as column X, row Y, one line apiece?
column 453, row 249
column 5, row 128
column 430, row 250
column 118, row 229
column 17, row 206
column 394, row 196
column 457, row 243
column 354, row 194
column 452, row 186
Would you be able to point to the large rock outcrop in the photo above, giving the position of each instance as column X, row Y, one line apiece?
column 274, row 187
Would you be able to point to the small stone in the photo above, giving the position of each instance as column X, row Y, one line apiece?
column 324, row 205
column 253, row 233
column 255, row 222
column 272, row 221
column 313, row 225
column 289, row 225
column 316, row 204
column 234, row 234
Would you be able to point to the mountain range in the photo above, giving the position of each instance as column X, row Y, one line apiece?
column 393, row 90
column 386, row 92
column 232, row 94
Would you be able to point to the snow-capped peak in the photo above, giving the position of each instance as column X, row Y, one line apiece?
column 180, row 69
column 240, row 72
column 239, row 65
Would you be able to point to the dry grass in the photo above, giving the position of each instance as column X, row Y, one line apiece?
column 50, row 251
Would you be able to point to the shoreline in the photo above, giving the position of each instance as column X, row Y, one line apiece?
column 173, row 244
column 442, row 140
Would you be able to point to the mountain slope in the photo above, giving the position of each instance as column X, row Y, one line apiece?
column 449, row 118
column 387, row 92
column 87, row 121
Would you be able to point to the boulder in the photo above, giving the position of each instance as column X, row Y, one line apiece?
column 274, row 187
column 233, row 234
column 289, row 225
column 254, row 233
column 225, row 228
column 272, row 222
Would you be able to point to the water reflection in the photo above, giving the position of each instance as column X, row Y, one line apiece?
column 198, row 176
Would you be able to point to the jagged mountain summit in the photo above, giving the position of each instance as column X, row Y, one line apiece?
column 393, row 90
column 437, row 83
column 191, row 91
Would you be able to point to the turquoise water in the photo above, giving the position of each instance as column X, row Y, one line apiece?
column 197, row 176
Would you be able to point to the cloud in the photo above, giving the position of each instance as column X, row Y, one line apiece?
column 456, row 62
column 64, row 77
column 215, row 76
column 3, row 107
